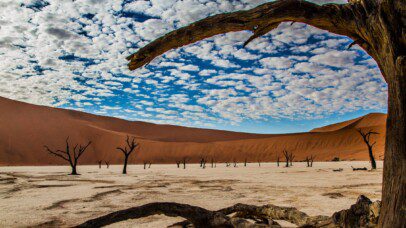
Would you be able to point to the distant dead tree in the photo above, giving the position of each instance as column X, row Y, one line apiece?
column 100, row 162
column 235, row 163
column 184, row 160
column 245, row 163
column 178, row 163
column 291, row 157
column 286, row 154
column 127, row 150
column 259, row 162
column 309, row 160
column 203, row 163
column 213, row 164
column 277, row 160
column 149, row 165
column 69, row 155
column 145, row 164
column 107, row 163
column 227, row 164
column 366, row 136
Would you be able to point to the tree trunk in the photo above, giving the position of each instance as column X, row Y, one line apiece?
column 74, row 170
column 393, row 212
column 125, row 165
column 371, row 158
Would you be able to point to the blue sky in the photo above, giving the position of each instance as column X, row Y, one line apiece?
column 71, row 54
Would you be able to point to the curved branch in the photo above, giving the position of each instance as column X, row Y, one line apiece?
column 334, row 18
column 200, row 217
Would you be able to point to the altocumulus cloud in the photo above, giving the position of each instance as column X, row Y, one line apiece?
column 71, row 54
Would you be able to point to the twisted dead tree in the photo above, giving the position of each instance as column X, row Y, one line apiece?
column 107, row 164
column 377, row 26
column 70, row 155
column 366, row 136
column 127, row 150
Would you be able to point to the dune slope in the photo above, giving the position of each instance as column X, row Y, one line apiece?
column 26, row 128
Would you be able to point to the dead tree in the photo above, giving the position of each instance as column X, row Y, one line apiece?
column 286, row 154
column 377, row 26
column 178, row 164
column 184, row 160
column 149, row 165
column 127, row 150
column 312, row 157
column 309, row 160
column 227, row 164
column 145, row 164
column 201, row 162
column 245, row 163
column 107, row 163
column 259, row 162
column 213, row 164
column 70, row 155
column 366, row 136
column 235, row 163
column 100, row 162
column 277, row 160
column 291, row 157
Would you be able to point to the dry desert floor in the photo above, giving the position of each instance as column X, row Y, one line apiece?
column 45, row 196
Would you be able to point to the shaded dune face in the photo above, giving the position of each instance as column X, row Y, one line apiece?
column 26, row 128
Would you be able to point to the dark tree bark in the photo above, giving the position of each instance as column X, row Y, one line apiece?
column 107, row 164
column 377, row 26
column 127, row 150
column 367, row 139
column 100, row 162
column 70, row 155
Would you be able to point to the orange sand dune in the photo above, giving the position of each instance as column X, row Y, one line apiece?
column 26, row 128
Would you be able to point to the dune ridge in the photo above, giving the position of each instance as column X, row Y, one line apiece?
column 26, row 128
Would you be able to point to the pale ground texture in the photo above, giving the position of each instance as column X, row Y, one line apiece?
column 46, row 196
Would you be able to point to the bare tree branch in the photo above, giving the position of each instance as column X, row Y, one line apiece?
column 56, row 153
column 335, row 18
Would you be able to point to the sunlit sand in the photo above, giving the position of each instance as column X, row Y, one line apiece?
column 46, row 195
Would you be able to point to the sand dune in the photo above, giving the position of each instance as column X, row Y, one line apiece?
column 26, row 128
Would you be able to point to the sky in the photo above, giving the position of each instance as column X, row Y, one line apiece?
column 71, row 54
